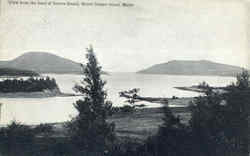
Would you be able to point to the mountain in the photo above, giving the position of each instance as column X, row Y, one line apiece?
column 43, row 62
column 202, row 67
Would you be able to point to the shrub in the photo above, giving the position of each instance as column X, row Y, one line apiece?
column 16, row 138
column 44, row 130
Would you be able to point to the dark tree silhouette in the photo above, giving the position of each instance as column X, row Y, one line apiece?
column 131, row 98
column 219, row 121
column 16, row 139
column 30, row 85
column 89, row 130
column 237, row 113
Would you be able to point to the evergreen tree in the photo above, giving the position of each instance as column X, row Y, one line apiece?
column 16, row 139
column 172, row 139
column 219, row 121
column 89, row 130
column 208, row 124
column 238, row 105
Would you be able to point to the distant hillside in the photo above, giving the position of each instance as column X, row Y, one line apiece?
column 43, row 62
column 202, row 67
column 16, row 72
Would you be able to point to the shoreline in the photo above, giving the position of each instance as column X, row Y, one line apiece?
column 202, row 90
column 191, row 89
column 142, row 123
column 138, row 125
column 36, row 95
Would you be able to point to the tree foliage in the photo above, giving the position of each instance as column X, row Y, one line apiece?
column 132, row 98
column 16, row 138
column 30, row 85
column 219, row 121
column 89, row 130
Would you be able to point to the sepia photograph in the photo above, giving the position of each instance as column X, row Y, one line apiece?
column 124, row 77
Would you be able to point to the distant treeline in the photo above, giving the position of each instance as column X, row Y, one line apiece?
column 16, row 72
column 29, row 85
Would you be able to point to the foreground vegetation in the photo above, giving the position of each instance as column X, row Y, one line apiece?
column 218, row 126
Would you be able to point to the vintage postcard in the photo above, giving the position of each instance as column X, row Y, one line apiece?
column 124, row 77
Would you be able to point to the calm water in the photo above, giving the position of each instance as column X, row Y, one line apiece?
column 58, row 109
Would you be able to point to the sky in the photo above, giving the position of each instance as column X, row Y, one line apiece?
column 128, row 39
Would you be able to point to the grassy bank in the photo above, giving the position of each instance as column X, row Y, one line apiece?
column 142, row 123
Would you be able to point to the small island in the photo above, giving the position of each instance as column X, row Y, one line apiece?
column 32, row 87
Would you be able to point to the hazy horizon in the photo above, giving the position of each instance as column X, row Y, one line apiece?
column 122, row 71
column 133, row 38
